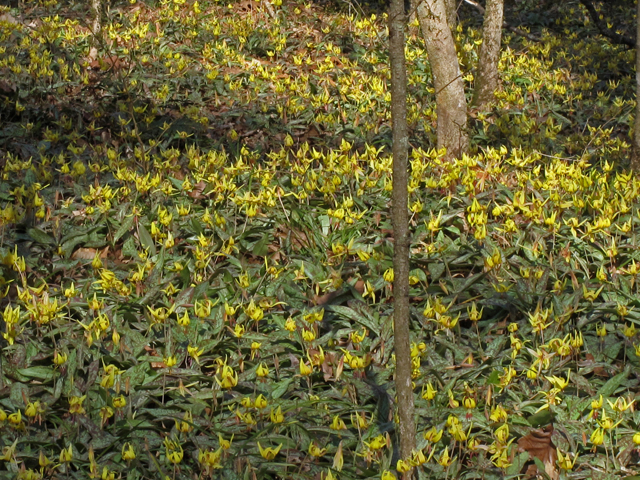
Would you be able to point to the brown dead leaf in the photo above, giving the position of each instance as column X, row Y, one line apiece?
column 298, row 238
column 590, row 360
column 327, row 297
column 198, row 188
column 88, row 253
column 537, row 443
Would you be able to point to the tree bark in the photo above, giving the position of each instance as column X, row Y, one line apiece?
column 451, row 104
column 635, row 153
column 451, row 7
column 96, row 6
column 400, row 216
column 486, row 81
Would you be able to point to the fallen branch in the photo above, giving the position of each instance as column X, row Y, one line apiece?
column 604, row 29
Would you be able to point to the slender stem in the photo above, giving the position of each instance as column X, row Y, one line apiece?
column 400, row 216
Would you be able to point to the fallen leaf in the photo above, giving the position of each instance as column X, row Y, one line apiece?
column 537, row 443
column 88, row 253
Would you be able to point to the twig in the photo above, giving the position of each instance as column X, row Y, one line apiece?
column 506, row 25
column 603, row 28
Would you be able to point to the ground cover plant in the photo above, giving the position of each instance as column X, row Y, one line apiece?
column 196, row 249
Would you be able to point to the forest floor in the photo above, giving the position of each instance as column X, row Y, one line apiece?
column 196, row 248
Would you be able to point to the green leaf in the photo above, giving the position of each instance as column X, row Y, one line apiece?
column 40, row 236
column 351, row 314
column 125, row 227
column 129, row 248
column 145, row 239
column 261, row 248
column 436, row 270
column 38, row 373
column 614, row 383
column 281, row 388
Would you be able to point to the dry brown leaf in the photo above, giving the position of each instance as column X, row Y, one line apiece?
column 537, row 443
column 88, row 253
column 198, row 188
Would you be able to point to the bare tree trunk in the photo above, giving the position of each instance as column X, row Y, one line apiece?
column 451, row 104
column 487, row 73
column 635, row 153
column 399, row 214
column 451, row 6
column 96, row 6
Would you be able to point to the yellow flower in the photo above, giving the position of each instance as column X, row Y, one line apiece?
column 186, row 425
column 629, row 330
column 597, row 437
column 474, row 314
column 337, row 424
column 316, row 451
column 203, row 309
column 558, row 382
column 444, row 459
column 59, row 358
column 502, row 433
column 32, row 409
column 184, row 320
column 255, row 348
column 269, row 453
column 418, row 458
column 195, row 352
column 262, row 370
column 433, row 435
column 128, row 453
column 224, row 444
column 277, row 416
column 403, row 467
column 357, row 337
column 106, row 413
column 388, row 275
column 261, row 402
column 66, row 455
column 308, row 335
column 564, row 460
column 429, row 393
column 228, row 378
column 360, row 420
column 620, row 405
column 239, row 330
column 387, row 475
column 636, row 438
column 229, row 310
column 377, row 443
column 606, row 422
column 305, row 369
column 210, row 459
column 595, row 404
column 254, row 312
column 329, row 475
column 170, row 361
column 290, row 325
column 15, row 418
column 501, row 458
column 173, row 450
